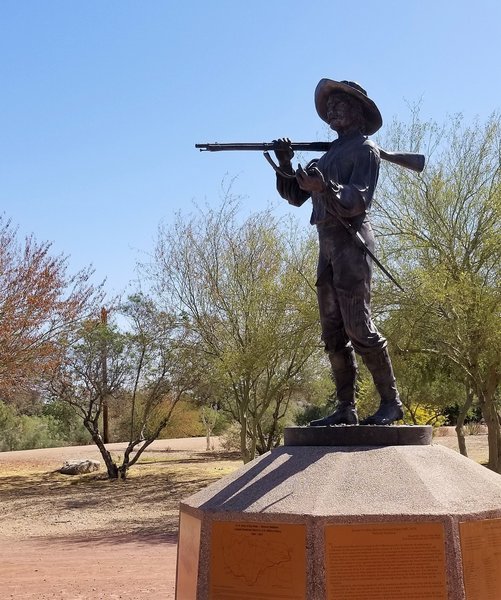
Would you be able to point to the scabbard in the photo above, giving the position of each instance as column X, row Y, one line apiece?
column 361, row 243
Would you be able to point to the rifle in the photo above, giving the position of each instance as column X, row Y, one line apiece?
column 409, row 160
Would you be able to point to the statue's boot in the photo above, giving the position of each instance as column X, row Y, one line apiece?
column 344, row 373
column 390, row 408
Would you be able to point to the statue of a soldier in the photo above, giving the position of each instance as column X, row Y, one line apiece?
column 342, row 182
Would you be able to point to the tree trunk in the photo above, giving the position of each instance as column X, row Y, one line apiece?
column 111, row 467
column 461, row 438
column 493, row 434
column 106, row 428
column 122, row 470
column 252, row 452
column 460, row 421
column 104, row 383
column 244, row 451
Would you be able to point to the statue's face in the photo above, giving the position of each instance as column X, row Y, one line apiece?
column 340, row 113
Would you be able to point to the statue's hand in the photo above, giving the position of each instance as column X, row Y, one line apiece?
column 283, row 151
column 310, row 180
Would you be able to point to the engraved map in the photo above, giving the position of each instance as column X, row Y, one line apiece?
column 258, row 560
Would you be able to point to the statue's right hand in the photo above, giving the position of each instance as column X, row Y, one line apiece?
column 283, row 151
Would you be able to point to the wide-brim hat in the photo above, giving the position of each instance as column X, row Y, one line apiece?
column 326, row 87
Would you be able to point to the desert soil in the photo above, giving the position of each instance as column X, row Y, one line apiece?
column 85, row 537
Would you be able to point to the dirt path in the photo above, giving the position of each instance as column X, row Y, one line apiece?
column 82, row 538
column 81, row 569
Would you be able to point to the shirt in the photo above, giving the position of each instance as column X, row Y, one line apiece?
column 352, row 162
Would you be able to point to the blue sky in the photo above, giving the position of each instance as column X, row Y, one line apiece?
column 101, row 102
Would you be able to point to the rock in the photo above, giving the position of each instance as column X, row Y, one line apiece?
column 77, row 467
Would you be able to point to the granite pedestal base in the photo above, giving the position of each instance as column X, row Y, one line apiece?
column 387, row 521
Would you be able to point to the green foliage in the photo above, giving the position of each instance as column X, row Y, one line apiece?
column 230, row 438
column 451, row 413
column 8, row 427
column 185, row 422
column 441, row 232
column 38, row 432
column 366, row 394
column 309, row 412
column 427, row 384
column 69, row 426
column 142, row 372
column 233, row 322
column 48, row 430
column 422, row 415
column 245, row 295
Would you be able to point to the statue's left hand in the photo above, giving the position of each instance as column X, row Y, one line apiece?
column 310, row 180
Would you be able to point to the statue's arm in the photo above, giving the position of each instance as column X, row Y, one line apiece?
column 290, row 191
column 288, row 188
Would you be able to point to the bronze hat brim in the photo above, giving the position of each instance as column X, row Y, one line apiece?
column 326, row 87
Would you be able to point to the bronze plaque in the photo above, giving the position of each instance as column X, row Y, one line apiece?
column 258, row 560
column 481, row 550
column 385, row 561
column 188, row 552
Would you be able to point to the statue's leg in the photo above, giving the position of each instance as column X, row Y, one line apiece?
column 380, row 367
column 371, row 345
column 350, row 286
column 344, row 373
column 340, row 353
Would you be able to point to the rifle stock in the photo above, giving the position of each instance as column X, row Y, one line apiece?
column 409, row 160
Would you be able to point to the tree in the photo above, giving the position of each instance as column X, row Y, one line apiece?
column 79, row 380
column 163, row 372
column 39, row 305
column 248, row 309
column 146, row 369
column 209, row 416
column 442, row 231
column 427, row 384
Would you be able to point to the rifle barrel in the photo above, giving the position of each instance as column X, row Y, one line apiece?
column 265, row 146
column 409, row 160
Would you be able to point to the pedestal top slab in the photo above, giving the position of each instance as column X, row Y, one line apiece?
column 354, row 481
column 359, row 435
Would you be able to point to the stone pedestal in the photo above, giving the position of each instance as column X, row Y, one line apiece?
column 361, row 516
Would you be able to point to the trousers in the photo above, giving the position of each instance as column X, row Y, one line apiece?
column 343, row 286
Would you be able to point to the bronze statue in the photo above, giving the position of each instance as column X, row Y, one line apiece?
column 341, row 185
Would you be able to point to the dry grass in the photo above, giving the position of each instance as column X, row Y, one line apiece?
column 38, row 503
column 475, row 444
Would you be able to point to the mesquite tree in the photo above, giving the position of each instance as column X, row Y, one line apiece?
column 245, row 292
column 145, row 367
column 442, row 232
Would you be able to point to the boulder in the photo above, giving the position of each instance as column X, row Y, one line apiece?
column 78, row 467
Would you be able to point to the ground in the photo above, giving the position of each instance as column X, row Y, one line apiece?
column 84, row 537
